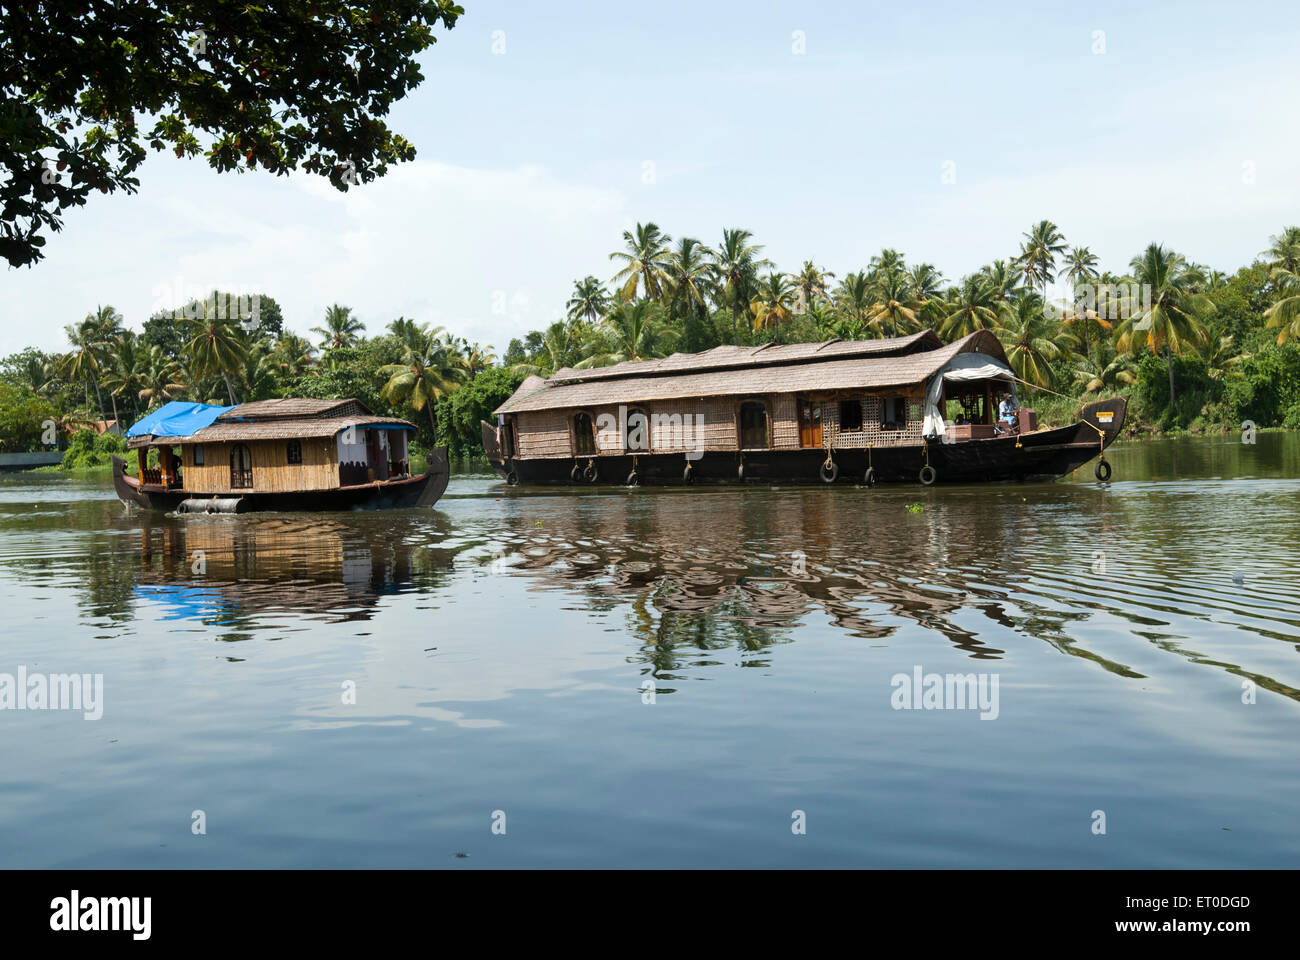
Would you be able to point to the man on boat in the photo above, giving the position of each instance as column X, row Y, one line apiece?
column 1007, row 411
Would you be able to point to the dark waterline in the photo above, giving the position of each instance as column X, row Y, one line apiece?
column 501, row 646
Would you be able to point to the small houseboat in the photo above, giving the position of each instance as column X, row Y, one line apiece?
column 287, row 454
column 900, row 409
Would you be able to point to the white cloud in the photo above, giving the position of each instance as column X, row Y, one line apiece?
column 431, row 241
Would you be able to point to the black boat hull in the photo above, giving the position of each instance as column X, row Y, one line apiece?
column 422, row 491
column 1038, row 456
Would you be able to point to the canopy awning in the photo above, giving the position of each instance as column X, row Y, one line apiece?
column 176, row 419
column 964, row 366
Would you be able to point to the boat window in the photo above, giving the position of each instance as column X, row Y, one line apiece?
column 584, row 435
column 636, row 435
column 851, row 415
column 198, row 454
column 241, row 467
column 753, row 426
column 893, row 414
column 294, row 452
column 508, row 439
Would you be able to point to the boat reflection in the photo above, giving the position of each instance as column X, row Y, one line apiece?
column 226, row 567
column 981, row 568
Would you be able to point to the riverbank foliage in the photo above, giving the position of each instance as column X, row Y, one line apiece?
column 89, row 449
column 1195, row 348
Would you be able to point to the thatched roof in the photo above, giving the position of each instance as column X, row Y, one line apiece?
column 768, row 354
column 288, row 407
column 804, row 368
column 281, row 429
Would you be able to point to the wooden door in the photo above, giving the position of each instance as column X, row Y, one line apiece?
column 810, row 423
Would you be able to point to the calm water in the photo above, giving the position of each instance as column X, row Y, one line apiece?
column 499, row 647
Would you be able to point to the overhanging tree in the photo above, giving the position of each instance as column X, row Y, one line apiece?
column 85, row 88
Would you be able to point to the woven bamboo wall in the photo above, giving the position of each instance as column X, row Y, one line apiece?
column 785, row 422
column 272, row 472
column 549, row 433
column 872, row 433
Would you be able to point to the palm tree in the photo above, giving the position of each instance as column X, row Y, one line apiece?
column 293, row 355
column 556, row 349
column 887, row 261
column 124, row 370
column 854, row 299
column 476, row 356
column 829, row 323
column 160, row 378
column 974, row 305
column 341, row 328
column 773, row 303
column 737, row 263
column 258, row 373
column 1081, row 321
column 1284, row 250
column 1171, row 321
column 402, row 327
column 83, row 362
column 1120, row 370
column 811, row 284
column 1219, row 351
column 1027, row 334
column 1284, row 315
column 1003, row 278
column 1284, row 274
column 631, row 331
column 1080, row 264
column 1038, row 253
column 589, row 302
column 1081, row 268
column 927, row 292
column 217, row 349
column 645, row 262
column 430, row 367
column 892, row 303
column 690, row 276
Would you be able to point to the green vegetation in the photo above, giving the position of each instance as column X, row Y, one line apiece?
column 200, row 353
column 23, row 415
column 89, row 449
column 1196, row 349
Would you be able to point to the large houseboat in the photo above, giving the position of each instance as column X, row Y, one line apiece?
column 287, row 454
column 900, row 409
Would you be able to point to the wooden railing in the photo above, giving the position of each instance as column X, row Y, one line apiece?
column 154, row 477
column 241, row 479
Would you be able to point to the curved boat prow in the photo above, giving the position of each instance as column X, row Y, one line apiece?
column 125, row 487
column 1107, row 417
column 438, row 475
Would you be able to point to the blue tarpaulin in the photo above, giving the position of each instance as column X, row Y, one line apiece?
column 176, row 419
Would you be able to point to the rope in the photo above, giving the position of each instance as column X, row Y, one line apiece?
column 1101, row 434
column 1044, row 389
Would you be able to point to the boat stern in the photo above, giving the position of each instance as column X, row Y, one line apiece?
column 492, row 448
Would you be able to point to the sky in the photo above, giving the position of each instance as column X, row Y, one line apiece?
column 830, row 129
